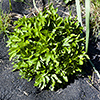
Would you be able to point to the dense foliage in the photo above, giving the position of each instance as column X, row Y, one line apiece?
column 47, row 47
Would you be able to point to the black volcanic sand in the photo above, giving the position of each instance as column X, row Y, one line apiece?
column 81, row 88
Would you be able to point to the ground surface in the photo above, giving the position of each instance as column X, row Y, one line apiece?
column 14, row 88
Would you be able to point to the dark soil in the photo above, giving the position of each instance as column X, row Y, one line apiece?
column 12, row 87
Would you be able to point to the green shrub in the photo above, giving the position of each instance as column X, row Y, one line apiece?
column 47, row 47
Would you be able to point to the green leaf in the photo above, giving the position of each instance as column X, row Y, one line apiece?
column 32, row 61
column 79, row 70
column 38, row 80
column 29, row 25
column 66, row 1
column 59, row 21
column 38, row 65
column 80, row 62
column 45, row 32
column 53, row 84
column 24, row 65
column 58, row 80
column 65, row 78
column 42, row 37
column 44, row 84
column 15, row 39
column 12, row 56
column 47, row 79
column 66, row 41
column 48, row 56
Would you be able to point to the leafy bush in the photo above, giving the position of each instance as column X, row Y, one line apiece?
column 47, row 47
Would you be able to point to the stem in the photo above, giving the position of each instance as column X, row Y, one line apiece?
column 48, row 2
column 87, row 8
column 10, row 5
column 35, row 6
column 1, row 7
column 94, row 68
column 78, row 9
